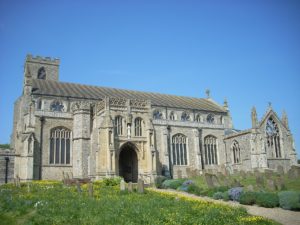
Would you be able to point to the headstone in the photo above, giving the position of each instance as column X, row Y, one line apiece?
column 226, row 182
column 122, row 185
column 78, row 187
column 130, row 187
column 194, row 173
column 294, row 172
column 279, row 183
column 280, row 170
column 260, row 181
column 215, row 181
column 208, row 179
column 271, row 185
column 268, row 173
column 140, row 187
column 236, row 183
column 91, row 190
column 243, row 174
column 188, row 172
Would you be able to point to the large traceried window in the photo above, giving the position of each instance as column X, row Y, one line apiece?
column 179, row 150
column 273, row 137
column 138, row 127
column 210, row 150
column 60, row 146
column 119, row 125
column 236, row 153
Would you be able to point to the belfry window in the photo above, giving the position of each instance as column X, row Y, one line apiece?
column 210, row 150
column 157, row 115
column 41, row 73
column 210, row 118
column 235, row 148
column 138, row 127
column 60, row 146
column 119, row 125
column 179, row 150
column 273, row 137
column 57, row 106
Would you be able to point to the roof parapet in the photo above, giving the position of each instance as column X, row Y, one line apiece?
column 39, row 59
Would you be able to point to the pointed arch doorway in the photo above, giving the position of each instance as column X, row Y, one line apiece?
column 128, row 162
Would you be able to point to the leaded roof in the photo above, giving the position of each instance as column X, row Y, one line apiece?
column 62, row 89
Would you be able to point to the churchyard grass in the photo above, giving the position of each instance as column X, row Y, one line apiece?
column 50, row 202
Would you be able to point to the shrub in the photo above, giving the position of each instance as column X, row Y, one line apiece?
column 159, row 181
column 218, row 195
column 248, row 198
column 235, row 193
column 268, row 200
column 210, row 192
column 225, row 196
column 173, row 184
column 289, row 200
column 112, row 181
column 194, row 189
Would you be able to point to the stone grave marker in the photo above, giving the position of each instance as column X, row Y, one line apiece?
column 179, row 174
column 91, row 190
column 140, row 187
column 78, row 187
column 294, row 172
column 215, row 180
column 188, row 172
column 268, row 173
column 122, row 185
column 260, row 181
column 279, row 183
column 208, row 179
column 250, row 188
column 130, row 187
column 271, row 184
column 280, row 170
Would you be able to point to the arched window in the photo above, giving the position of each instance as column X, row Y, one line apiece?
column 198, row 118
column 60, row 146
column 210, row 118
column 172, row 116
column 138, row 127
column 157, row 115
column 273, row 138
column 119, row 125
column 179, row 150
column 185, row 116
column 39, row 104
column 235, row 148
column 221, row 120
column 57, row 106
column 210, row 150
column 41, row 73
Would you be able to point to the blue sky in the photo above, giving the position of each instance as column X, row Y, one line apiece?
column 246, row 51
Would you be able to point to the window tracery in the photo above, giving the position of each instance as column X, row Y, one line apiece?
column 179, row 150
column 172, row 116
column 60, row 146
column 119, row 125
column 273, row 137
column 41, row 73
column 236, row 153
column 57, row 106
column 138, row 127
column 210, row 150
column 210, row 118
column 185, row 116
column 157, row 114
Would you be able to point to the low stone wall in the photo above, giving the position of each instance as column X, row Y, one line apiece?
column 6, row 155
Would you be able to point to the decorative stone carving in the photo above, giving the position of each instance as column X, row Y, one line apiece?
column 82, row 105
column 138, row 103
column 117, row 102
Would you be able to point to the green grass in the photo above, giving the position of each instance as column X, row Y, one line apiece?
column 53, row 203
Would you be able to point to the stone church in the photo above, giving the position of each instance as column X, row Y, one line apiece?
column 92, row 132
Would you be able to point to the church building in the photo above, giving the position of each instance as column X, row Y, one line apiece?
column 92, row 132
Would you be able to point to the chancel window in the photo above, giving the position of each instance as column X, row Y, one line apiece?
column 60, row 146
column 172, row 116
column 236, row 153
column 185, row 116
column 273, row 137
column 119, row 125
column 41, row 73
column 210, row 118
column 157, row 115
column 179, row 150
column 57, row 106
column 210, row 150
column 138, row 127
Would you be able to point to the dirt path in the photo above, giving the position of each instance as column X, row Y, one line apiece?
column 282, row 216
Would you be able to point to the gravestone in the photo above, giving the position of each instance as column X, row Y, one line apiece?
column 268, row 173
column 294, row 172
column 260, row 181
column 78, row 187
column 194, row 173
column 215, row 181
column 188, row 172
column 226, row 182
column 208, row 179
column 91, row 190
column 130, row 187
column 250, row 188
column 122, row 185
column 243, row 174
column 140, row 187
column 236, row 183
column 271, row 185
column 280, row 170
column 279, row 183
